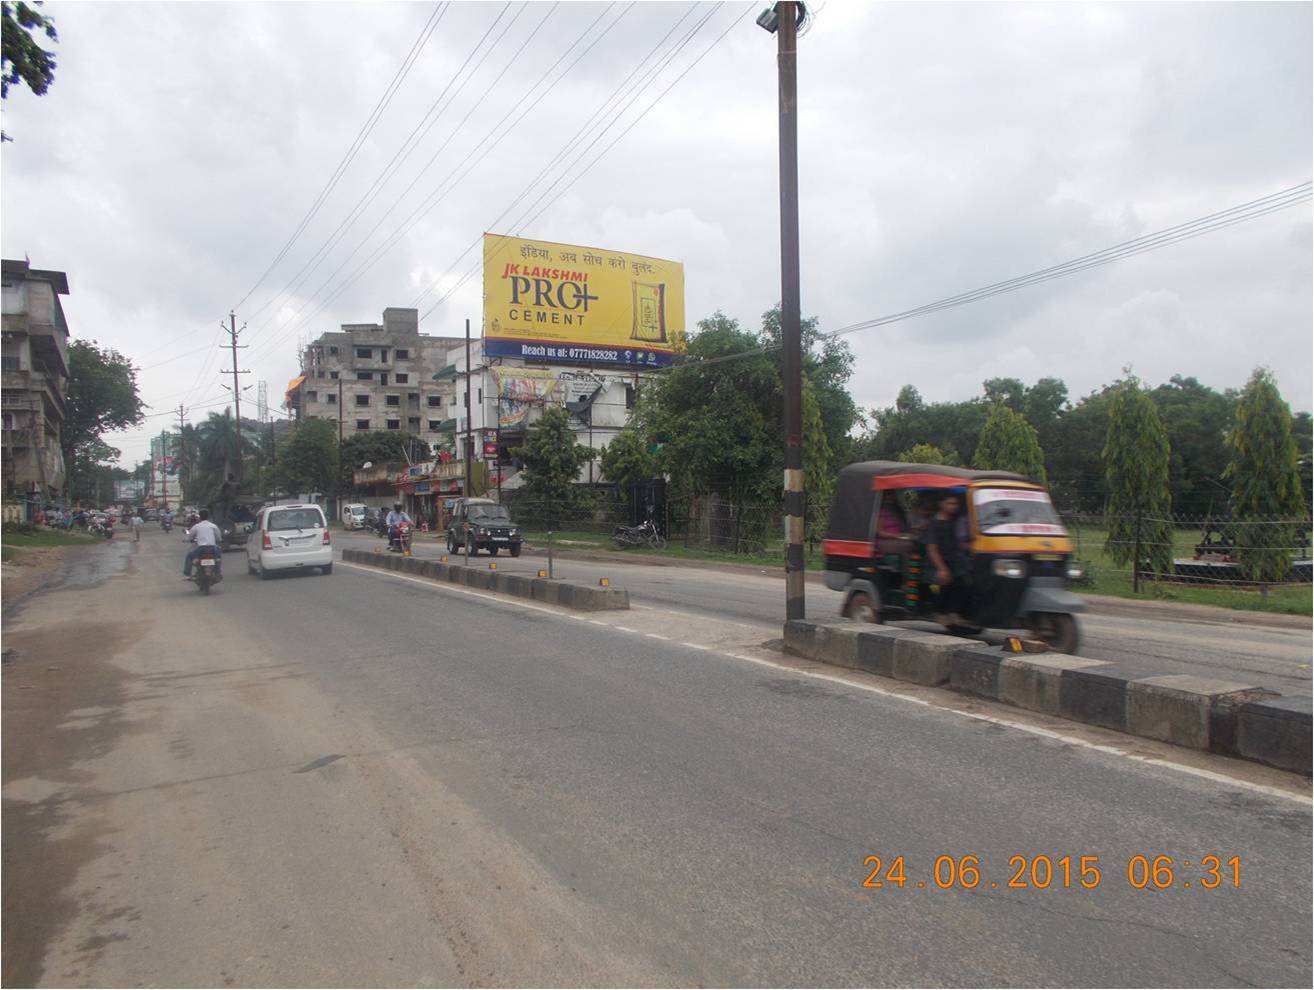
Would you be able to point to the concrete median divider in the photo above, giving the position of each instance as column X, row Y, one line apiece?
column 1228, row 717
column 581, row 598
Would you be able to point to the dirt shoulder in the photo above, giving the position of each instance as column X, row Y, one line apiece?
column 28, row 571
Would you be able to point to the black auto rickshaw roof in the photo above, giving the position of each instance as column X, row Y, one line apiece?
column 856, row 487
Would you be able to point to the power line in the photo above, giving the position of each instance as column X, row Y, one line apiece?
column 407, row 63
column 471, row 272
column 1220, row 220
column 445, row 186
column 426, row 123
column 450, row 137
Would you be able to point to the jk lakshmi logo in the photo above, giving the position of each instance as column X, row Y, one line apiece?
column 548, row 295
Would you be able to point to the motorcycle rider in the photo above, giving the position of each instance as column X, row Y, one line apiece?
column 204, row 534
column 395, row 518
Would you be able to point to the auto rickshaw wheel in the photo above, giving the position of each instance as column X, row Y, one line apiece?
column 1058, row 630
column 861, row 609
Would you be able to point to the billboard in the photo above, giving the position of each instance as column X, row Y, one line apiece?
column 129, row 491
column 565, row 303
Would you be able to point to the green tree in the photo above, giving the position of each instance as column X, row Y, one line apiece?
column 627, row 461
column 308, row 460
column 91, row 472
column 102, row 397
column 1008, row 443
column 552, row 458
column 22, row 59
column 1136, row 454
column 924, row 453
column 382, row 447
column 1196, row 418
column 818, row 470
column 1264, row 470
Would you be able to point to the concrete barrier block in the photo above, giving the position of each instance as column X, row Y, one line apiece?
column 518, row 585
column 411, row 565
column 1097, row 695
column 837, row 643
column 876, row 648
column 1177, row 708
column 1032, row 681
column 801, row 638
column 923, row 658
column 1276, row 731
column 975, row 670
column 481, row 580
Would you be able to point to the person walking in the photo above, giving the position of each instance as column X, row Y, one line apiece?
column 137, row 523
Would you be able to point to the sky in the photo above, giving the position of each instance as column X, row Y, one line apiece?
column 942, row 147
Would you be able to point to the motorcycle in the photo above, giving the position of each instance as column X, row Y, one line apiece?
column 645, row 534
column 105, row 529
column 399, row 539
column 208, row 571
column 166, row 524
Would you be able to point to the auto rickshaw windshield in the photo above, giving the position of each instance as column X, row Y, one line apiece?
column 1015, row 512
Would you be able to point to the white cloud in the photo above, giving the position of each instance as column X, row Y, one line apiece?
column 942, row 147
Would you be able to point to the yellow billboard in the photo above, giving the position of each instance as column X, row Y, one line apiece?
column 565, row 303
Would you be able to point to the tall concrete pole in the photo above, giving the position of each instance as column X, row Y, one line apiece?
column 795, row 499
column 237, row 389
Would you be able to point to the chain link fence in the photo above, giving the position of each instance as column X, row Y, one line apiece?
column 1204, row 551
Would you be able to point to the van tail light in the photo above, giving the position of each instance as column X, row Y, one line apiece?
column 265, row 542
column 326, row 537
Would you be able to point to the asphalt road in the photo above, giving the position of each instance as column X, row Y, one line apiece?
column 1277, row 658
column 365, row 779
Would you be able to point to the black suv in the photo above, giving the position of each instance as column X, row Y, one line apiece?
column 490, row 525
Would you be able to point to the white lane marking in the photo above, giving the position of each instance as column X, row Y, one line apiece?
column 696, row 646
column 695, row 615
column 1035, row 730
column 658, row 636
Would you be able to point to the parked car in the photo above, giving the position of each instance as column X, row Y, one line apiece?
column 490, row 525
column 289, row 538
column 353, row 515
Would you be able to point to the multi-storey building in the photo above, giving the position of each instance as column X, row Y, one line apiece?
column 376, row 376
column 34, row 376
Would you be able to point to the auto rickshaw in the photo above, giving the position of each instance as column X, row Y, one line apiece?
column 1020, row 555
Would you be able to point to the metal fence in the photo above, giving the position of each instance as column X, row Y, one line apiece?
column 1176, row 550
column 1201, row 550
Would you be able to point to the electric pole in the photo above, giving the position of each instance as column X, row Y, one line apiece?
column 469, row 423
column 339, row 484
column 233, row 334
column 786, row 29
column 182, row 450
column 164, row 467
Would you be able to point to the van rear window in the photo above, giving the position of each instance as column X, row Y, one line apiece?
column 285, row 519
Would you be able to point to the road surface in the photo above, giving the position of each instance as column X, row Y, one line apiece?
column 1277, row 658
column 363, row 778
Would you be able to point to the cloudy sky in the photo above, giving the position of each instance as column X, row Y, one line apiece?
column 943, row 147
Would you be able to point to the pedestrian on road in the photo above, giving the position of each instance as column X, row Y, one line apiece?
column 137, row 523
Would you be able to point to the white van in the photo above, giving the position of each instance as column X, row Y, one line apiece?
column 353, row 516
column 289, row 537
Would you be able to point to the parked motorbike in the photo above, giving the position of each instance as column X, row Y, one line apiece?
column 399, row 539
column 207, row 569
column 166, row 524
column 645, row 534
column 105, row 529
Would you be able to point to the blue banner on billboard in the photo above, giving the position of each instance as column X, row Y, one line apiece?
column 558, row 353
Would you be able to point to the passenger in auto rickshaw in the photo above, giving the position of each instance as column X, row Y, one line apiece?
column 947, row 550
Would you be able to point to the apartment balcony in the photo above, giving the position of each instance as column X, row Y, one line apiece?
column 16, row 438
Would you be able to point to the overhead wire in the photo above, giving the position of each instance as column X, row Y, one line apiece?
column 1209, row 223
column 435, row 17
column 445, row 186
column 564, row 150
column 450, row 137
column 421, row 130
column 470, row 273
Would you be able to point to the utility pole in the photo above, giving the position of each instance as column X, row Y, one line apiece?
column 182, row 449
column 469, row 423
column 786, row 28
column 233, row 334
column 339, row 484
column 164, row 467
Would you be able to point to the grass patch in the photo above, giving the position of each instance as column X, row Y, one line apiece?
column 46, row 538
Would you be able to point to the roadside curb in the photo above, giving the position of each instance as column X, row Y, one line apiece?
column 1226, row 717
column 582, row 598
